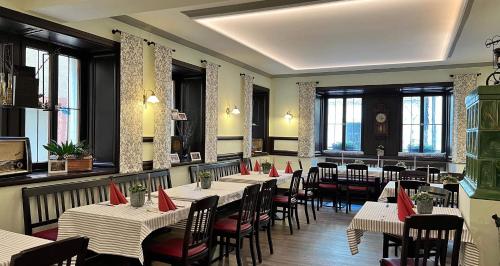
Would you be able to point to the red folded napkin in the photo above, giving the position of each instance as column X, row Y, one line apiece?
column 165, row 204
column 257, row 167
column 288, row 168
column 404, row 207
column 407, row 198
column 273, row 172
column 243, row 169
column 115, row 195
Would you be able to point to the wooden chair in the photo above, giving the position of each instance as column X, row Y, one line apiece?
column 391, row 173
column 158, row 177
column 453, row 188
column 434, row 173
column 356, row 183
column 300, row 165
column 413, row 175
column 430, row 229
column 197, row 241
column 60, row 253
column 328, row 184
column 288, row 203
column 243, row 226
column 218, row 169
column 263, row 215
column 441, row 196
column 309, row 191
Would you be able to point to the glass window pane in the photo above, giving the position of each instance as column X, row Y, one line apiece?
column 432, row 138
column 411, row 124
column 353, row 124
column 334, row 127
column 411, row 138
column 433, row 110
column 68, row 99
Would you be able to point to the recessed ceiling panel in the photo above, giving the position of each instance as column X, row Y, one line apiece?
column 349, row 33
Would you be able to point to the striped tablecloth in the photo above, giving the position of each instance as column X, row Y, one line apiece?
column 12, row 243
column 390, row 188
column 120, row 230
column 382, row 218
column 256, row 178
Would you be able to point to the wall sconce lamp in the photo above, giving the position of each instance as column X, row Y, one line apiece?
column 151, row 98
column 288, row 116
column 235, row 111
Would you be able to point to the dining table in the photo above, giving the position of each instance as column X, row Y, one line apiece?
column 12, row 243
column 382, row 217
column 121, row 229
column 258, row 178
column 390, row 190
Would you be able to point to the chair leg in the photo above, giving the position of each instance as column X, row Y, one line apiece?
column 252, row 250
column 347, row 202
column 238, row 251
column 289, row 220
column 273, row 216
column 297, row 215
column 306, row 211
column 269, row 239
column 228, row 242
column 221, row 247
column 257, row 244
column 312, row 207
column 385, row 248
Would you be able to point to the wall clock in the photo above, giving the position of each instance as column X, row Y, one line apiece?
column 381, row 124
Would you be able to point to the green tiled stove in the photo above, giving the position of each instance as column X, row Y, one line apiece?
column 482, row 177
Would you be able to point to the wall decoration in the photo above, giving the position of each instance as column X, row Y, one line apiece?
column 381, row 124
column 307, row 95
column 212, row 104
column 494, row 78
column 174, row 158
column 195, row 156
column 131, row 98
column 247, row 87
column 162, row 117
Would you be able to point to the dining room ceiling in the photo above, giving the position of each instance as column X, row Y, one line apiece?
column 295, row 37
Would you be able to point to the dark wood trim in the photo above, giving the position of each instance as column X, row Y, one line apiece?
column 147, row 139
column 229, row 137
column 283, row 138
column 284, row 153
column 187, row 65
column 230, row 156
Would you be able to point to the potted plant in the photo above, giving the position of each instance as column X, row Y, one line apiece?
column 79, row 159
column 401, row 164
column 266, row 167
column 448, row 179
column 424, row 202
column 137, row 195
column 205, row 179
column 380, row 150
column 57, row 157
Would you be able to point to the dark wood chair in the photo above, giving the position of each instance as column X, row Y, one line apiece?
column 453, row 188
column 248, row 163
column 197, row 241
column 300, row 165
column 431, row 230
column 328, row 184
column 413, row 175
column 440, row 196
column 356, row 183
column 263, row 215
column 391, row 173
column 434, row 173
column 309, row 191
column 60, row 253
column 288, row 203
column 243, row 226
column 158, row 177
column 218, row 169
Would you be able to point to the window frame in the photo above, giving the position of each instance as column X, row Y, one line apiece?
column 444, row 119
column 344, row 124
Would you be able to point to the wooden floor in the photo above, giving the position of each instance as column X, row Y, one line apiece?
column 322, row 242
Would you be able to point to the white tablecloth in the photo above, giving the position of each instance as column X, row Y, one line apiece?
column 120, row 230
column 382, row 218
column 12, row 243
column 256, row 178
column 390, row 188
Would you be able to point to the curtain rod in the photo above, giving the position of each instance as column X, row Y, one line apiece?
column 317, row 82
column 114, row 31
column 477, row 75
column 205, row 61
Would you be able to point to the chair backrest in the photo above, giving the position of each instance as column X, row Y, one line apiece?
column 410, row 186
column 158, row 177
column 434, row 173
column 248, row 163
column 200, row 224
column 328, row 172
column 246, row 213
column 357, row 173
column 423, row 231
column 265, row 201
column 300, row 164
column 294, row 185
column 413, row 175
column 453, row 188
column 391, row 173
column 56, row 253
column 440, row 196
column 218, row 169
column 43, row 205
column 312, row 180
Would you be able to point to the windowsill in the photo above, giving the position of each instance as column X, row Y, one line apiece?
column 186, row 163
column 43, row 176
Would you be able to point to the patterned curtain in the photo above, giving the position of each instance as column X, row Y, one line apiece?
column 212, row 104
column 162, row 114
column 307, row 94
column 131, row 109
column 463, row 84
column 247, row 84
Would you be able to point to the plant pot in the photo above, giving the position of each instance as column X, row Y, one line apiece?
column 424, row 206
column 206, row 182
column 79, row 165
column 57, row 166
column 266, row 170
column 137, row 199
column 380, row 153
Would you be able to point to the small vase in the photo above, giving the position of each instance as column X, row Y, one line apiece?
column 266, row 170
column 425, row 206
column 206, row 183
column 380, row 153
column 137, row 199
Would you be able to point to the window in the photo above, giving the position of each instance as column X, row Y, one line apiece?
column 61, row 123
column 422, row 124
column 344, row 124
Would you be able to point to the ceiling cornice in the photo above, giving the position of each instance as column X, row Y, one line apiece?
column 461, row 26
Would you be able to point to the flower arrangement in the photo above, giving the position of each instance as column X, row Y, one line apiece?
column 137, row 188
column 424, row 202
column 448, row 179
column 137, row 195
column 266, row 167
column 422, row 196
column 205, row 178
column 68, row 157
column 380, row 147
column 401, row 164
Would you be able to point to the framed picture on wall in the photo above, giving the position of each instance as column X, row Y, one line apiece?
column 182, row 116
column 174, row 158
column 195, row 156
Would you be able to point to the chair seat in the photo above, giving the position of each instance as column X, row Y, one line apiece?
column 263, row 217
column 173, row 248
column 397, row 262
column 49, row 234
column 326, row 186
column 282, row 199
column 228, row 225
column 302, row 194
column 357, row 188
